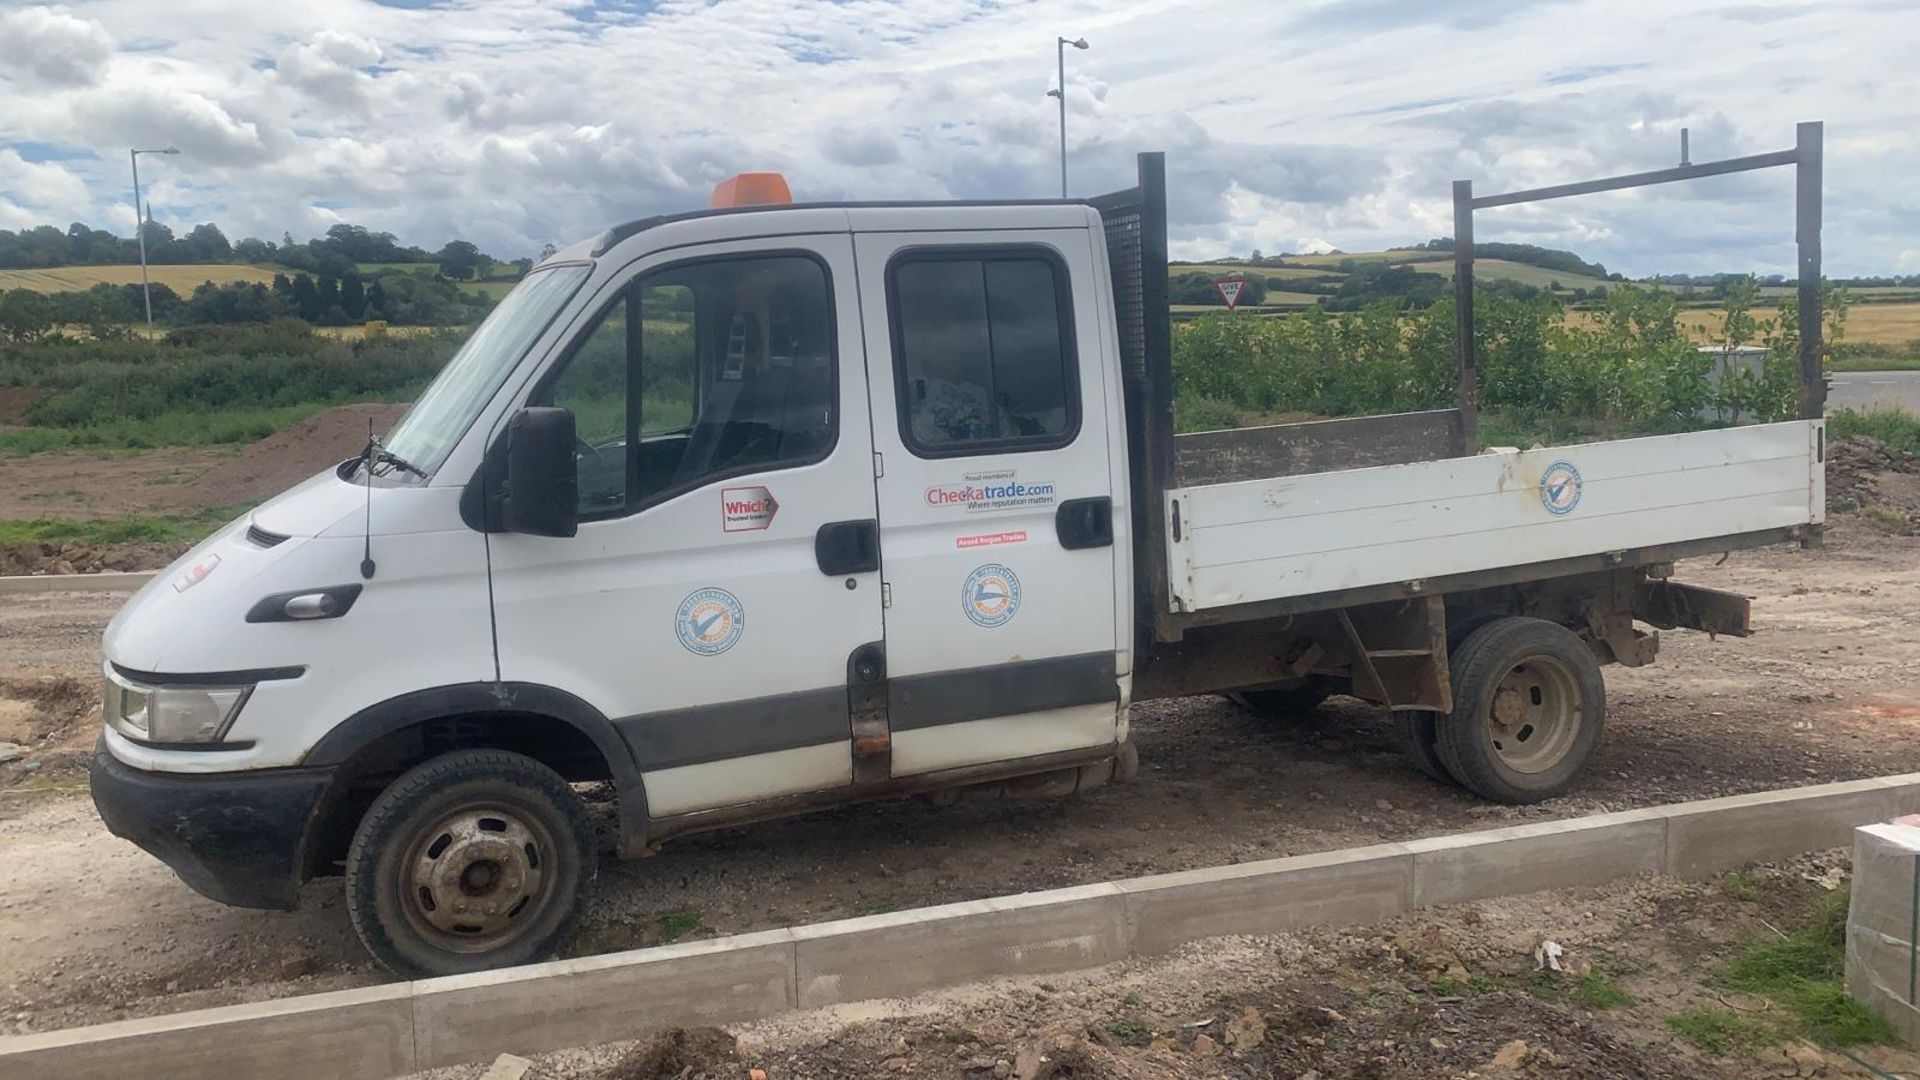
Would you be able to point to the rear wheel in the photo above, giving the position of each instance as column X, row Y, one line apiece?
column 1529, row 705
column 1284, row 702
column 1419, row 731
column 474, row 860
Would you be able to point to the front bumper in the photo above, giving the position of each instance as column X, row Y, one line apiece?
column 235, row 837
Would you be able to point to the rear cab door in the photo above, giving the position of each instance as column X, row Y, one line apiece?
column 1000, row 453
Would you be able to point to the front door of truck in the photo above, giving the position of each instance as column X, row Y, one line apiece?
column 996, row 519
column 725, row 569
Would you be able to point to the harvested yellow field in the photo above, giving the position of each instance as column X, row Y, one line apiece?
column 181, row 279
column 1870, row 324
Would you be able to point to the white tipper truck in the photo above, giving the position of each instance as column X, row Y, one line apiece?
column 768, row 507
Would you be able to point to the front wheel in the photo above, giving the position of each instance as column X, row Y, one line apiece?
column 1529, row 704
column 477, row 859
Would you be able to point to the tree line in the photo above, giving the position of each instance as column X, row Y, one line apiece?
column 106, row 311
column 336, row 254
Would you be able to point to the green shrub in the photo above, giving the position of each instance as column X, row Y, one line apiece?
column 1630, row 368
column 1898, row 428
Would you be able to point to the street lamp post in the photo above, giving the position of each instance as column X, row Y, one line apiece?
column 1060, row 59
column 140, row 227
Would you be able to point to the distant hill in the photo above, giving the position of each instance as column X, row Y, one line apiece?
column 1417, row 275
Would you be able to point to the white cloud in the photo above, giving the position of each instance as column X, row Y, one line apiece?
column 50, row 46
column 45, row 186
column 328, row 67
column 1339, row 122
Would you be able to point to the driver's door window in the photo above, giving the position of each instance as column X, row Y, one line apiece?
column 593, row 386
column 697, row 372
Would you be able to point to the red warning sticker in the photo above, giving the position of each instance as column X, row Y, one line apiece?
column 990, row 539
column 746, row 509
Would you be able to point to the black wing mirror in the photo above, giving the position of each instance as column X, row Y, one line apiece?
column 543, row 484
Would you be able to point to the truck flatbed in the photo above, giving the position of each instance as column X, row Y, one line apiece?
column 1325, row 534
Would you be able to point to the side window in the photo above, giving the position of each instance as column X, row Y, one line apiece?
column 699, row 372
column 983, row 349
column 593, row 386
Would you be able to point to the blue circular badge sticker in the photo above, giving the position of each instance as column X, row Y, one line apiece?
column 709, row 622
column 1560, row 488
column 990, row 596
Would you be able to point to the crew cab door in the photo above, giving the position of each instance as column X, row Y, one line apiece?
column 726, row 568
column 996, row 514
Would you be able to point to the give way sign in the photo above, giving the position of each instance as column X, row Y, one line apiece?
column 1230, row 290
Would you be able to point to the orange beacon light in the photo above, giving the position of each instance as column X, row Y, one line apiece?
column 751, row 189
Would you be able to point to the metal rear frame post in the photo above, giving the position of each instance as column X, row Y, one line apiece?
column 1805, row 157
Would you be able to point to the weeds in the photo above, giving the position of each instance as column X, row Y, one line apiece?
column 1130, row 1030
column 1805, row 972
column 1742, row 885
column 674, row 925
column 1898, row 428
column 1721, row 1032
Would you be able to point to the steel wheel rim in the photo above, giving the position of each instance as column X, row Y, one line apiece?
column 478, row 878
column 1533, row 719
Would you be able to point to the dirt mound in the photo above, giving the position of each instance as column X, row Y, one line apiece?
column 63, row 557
column 285, row 458
column 680, row 1054
column 13, row 403
column 1881, row 483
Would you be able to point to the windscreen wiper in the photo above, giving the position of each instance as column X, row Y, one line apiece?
column 380, row 455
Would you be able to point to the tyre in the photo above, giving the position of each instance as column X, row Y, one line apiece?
column 1285, row 702
column 1529, row 706
column 477, row 859
column 1419, row 730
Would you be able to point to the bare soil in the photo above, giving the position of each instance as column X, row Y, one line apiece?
column 91, row 929
column 176, row 482
column 1448, row 993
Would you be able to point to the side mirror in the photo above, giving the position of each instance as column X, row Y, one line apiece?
column 543, row 486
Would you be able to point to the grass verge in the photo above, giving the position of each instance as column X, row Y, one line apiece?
column 167, row 429
column 188, row 529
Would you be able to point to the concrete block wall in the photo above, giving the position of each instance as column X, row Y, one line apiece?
column 389, row 1030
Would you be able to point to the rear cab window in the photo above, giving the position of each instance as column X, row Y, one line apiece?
column 983, row 350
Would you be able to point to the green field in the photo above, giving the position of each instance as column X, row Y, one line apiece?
column 1286, row 273
column 1524, row 273
column 374, row 269
column 1333, row 260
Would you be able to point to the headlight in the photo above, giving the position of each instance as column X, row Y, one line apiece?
column 170, row 714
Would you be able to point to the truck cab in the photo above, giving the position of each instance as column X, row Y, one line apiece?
column 745, row 512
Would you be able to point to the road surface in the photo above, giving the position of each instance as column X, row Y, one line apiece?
column 1875, row 389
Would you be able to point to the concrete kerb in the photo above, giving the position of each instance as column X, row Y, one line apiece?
column 107, row 581
column 387, row 1030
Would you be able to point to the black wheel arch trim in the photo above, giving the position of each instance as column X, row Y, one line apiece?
column 440, row 702
column 212, row 678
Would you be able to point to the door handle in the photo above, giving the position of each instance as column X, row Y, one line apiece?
column 847, row 547
column 1085, row 523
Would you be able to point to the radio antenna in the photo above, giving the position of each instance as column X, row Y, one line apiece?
column 366, row 471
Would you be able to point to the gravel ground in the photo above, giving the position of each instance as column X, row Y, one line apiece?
column 1451, row 993
column 1829, row 689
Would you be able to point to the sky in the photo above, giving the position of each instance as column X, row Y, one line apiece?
column 1289, row 125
